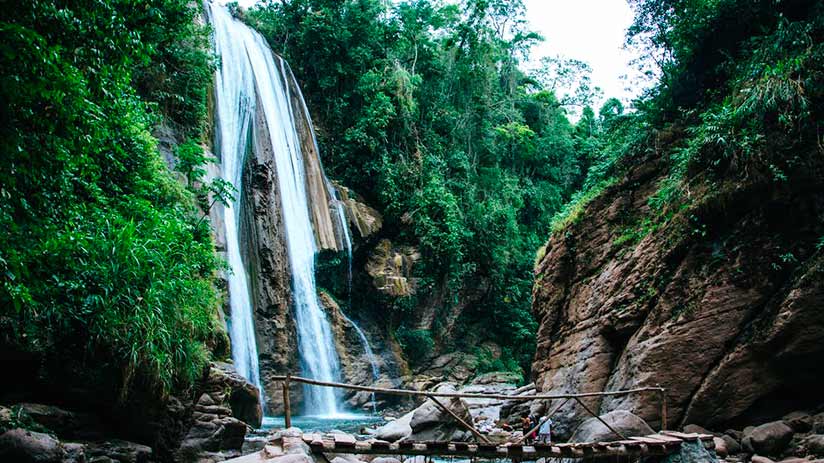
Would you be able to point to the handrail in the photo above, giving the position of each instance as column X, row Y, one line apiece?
column 286, row 379
column 461, row 395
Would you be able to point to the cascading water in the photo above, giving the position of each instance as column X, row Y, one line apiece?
column 370, row 354
column 254, row 85
column 235, row 106
column 251, row 74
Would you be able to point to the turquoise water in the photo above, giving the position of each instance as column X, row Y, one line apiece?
column 349, row 423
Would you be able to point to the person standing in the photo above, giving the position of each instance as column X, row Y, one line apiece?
column 545, row 430
column 526, row 426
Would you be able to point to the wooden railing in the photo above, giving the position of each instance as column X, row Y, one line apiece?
column 433, row 396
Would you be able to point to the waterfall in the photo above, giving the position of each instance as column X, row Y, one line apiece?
column 253, row 82
column 235, row 106
column 259, row 107
column 370, row 354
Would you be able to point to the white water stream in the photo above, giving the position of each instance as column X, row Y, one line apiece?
column 251, row 74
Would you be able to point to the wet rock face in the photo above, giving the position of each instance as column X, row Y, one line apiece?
column 227, row 404
column 705, row 305
column 267, row 262
column 356, row 366
column 362, row 218
column 391, row 268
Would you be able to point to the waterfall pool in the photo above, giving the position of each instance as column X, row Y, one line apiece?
column 346, row 422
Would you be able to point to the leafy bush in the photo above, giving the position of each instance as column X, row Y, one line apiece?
column 416, row 344
column 106, row 267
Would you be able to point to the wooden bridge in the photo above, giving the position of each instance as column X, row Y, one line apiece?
column 662, row 443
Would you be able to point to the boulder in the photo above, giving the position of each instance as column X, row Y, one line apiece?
column 66, row 424
column 118, row 450
column 814, row 444
column 732, row 445
column 243, row 398
column 23, row 446
column 429, row 422
column 760, row 459
column 211, row 433
column 592, row 430
column 799, row 421
column 293, row 458
column 720, row 447
column 396, row 429
column 769, row 438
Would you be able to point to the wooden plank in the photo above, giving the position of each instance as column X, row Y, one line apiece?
column 406, row 445
column 528, row 451
column 437, row 445
column 316, row 444
column 665, row 438
column 487, row 447
column 344, row 441
column 363, row 446
column 380, row 445
column 461, row 446
column 683, row 436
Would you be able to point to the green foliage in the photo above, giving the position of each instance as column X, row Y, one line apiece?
column 178, row 76
column 416, row 344
column 488, row 362
column 104, row 264
column 423, row 110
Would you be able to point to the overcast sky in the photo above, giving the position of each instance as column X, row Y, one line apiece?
column 588, row 30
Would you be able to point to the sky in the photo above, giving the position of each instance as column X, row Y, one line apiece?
column 587, row 30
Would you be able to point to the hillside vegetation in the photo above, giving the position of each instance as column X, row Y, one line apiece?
column 424, row 110
column 107, row 268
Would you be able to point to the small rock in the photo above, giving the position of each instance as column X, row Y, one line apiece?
column 22, row 446
column 720, row 447
column 818, row 423
column 799, row 421
column 733, row 447
column 760, row 459
column 769, row 438
column 814, row 444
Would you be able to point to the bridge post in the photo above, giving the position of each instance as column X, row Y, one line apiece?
column 663, row 409
column 287, row 411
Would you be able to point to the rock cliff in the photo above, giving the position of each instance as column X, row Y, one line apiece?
column 722, row 304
